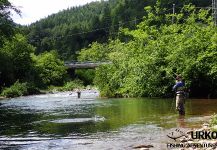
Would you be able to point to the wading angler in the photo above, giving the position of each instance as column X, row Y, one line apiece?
column 179, row 88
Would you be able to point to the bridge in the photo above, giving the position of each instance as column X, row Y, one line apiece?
column 84, row 65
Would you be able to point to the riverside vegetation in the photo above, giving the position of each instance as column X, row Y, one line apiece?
column 22, row 72
column 144, row 58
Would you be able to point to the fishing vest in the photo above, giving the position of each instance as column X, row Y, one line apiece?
column 180, row 90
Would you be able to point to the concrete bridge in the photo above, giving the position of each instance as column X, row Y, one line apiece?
column 84, row 65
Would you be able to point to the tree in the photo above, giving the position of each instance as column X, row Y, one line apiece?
column 50, row 68
column 73, row 29
column 15, row 60
column 7, row 26
column 158, row 50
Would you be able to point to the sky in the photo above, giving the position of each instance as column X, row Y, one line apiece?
column 33, row 10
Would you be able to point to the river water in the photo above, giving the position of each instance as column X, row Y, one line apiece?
column 61, row 121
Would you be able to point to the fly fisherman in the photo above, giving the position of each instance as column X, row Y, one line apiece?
column 179, row 88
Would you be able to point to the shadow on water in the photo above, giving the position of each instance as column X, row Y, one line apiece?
column 63, row 121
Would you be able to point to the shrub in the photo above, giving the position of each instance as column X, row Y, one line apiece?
column 20, row 89
column 50, row 68
column 213, row 120
column 16, row 90
column 86, row 75
column 68, row 86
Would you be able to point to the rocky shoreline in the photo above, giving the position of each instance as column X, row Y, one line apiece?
column 1, row 98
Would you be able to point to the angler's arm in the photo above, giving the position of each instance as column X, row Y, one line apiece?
column 174, row 87
column 178, row 84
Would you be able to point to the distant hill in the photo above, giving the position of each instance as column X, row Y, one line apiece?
column 75, row 28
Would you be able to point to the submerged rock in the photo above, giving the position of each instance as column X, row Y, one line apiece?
column 143, row 147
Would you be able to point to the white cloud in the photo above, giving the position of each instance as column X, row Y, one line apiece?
column 33, row 10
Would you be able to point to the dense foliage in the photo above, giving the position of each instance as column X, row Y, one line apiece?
column 7, row 27
column 21, row 71
column 20, row 89
column 68, row 86
column 86, row 75
column 17, row 89
column 50, row 68
column 158, row 50
column 19, row 63
column 213, row 122
column 15, row 60
column 144, row 58
column 75, row 28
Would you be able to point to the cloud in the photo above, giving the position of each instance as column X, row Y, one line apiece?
column 33, row 10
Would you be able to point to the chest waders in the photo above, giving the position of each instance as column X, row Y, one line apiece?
column 180, row 102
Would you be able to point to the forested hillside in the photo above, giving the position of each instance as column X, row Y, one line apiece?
column 75, row 28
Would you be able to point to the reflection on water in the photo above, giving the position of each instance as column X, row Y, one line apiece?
column 61, row 121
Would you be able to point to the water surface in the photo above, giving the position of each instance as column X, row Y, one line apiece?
column 61, row 121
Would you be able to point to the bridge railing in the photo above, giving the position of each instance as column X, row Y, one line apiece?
column 87, row 64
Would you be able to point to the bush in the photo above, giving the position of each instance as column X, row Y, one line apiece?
column 20, row 89
column 32, row 89
column 213, row 120
column 16, row 90
column 50, row 68
column 68, row 86
column 86, row 75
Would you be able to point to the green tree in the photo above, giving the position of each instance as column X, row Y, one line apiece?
column 73, row 29
column 15, row 60
column 96, row 52
column 50, row 68
column 147, row 64
column 7, row 26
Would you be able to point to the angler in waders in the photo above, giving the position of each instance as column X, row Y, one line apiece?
column 179, row 88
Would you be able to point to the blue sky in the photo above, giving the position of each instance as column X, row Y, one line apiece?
column 33, row 10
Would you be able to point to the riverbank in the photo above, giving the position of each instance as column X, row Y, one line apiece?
column 25, row 89
column 56, row 91
column 2, row 97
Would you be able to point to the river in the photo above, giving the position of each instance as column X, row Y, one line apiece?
column 61, row 121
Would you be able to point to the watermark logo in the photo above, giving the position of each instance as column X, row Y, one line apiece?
column 181, row 139
column 205, row 135
column 176, row 134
